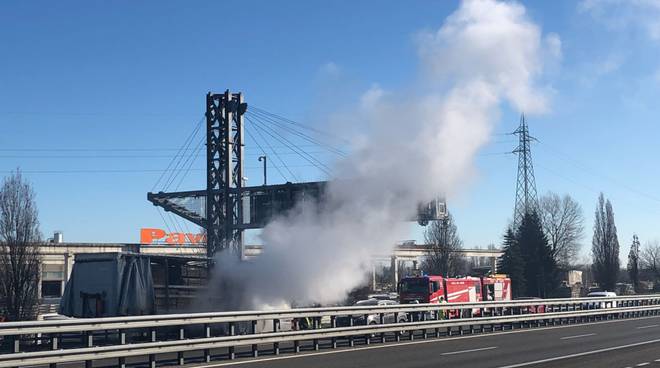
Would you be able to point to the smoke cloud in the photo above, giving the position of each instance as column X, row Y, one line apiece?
column 408, row 149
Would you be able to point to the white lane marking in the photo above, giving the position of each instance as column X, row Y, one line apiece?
column 649, row 326
column 643, row 364
column 576, row 336
column 657, row 360
column 469, row 351
column 576, row 355
column 392, row 345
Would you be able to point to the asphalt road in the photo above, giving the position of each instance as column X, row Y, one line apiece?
column 611, row 344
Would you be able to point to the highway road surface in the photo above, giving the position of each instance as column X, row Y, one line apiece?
column 611, row 344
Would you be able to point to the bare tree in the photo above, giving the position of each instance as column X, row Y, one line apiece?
column 563, row 224
column 605, row 246
column 650, row 259
column 444, row 257
column 19, row 249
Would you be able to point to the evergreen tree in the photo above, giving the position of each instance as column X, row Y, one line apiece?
column 633, row 263
column 605, row 246
column 541, row 271
column 513, row 264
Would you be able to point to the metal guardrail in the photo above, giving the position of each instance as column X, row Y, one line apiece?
column 424, row 319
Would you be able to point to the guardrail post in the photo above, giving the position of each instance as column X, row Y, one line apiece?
column 333, row 324
column 207, row 334
column 424, row 331
column 255, row 348
column 448, row 312
column 179, row 356
column 397, row 334
column 381, row 319
column 53, row 345
column 231, row 351
column 152, row 357
column 16, row 343
column 316, row 325
column 351, row 343
column 121, row 361
column 276, row 345
column 89, row 338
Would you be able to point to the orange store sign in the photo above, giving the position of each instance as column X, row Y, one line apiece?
column 159, row 236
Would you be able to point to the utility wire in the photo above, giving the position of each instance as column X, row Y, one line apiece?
column 125, row 171
column 196, row 155
column 584, row 168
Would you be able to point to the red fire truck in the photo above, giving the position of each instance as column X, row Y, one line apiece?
column 437, row 289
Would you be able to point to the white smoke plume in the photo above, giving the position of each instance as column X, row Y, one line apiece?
column 411, row 149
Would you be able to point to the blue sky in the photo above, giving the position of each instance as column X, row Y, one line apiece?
column 95, row 78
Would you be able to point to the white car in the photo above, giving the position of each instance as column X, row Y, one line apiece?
column 601, row 294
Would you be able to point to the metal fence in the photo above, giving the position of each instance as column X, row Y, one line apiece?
column 182, row 338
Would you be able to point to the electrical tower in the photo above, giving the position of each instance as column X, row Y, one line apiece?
column 526, row 199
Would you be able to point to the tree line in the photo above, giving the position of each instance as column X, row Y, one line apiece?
column 546, row 243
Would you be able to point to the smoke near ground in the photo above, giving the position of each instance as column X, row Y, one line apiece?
column 407, row 149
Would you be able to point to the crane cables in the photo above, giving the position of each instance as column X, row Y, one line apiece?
column 293, row 136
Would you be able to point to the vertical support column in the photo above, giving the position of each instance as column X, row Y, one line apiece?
column 395, row 271
column 237, row 175
column 224, row 171
column 373, row 275
column 214, row 169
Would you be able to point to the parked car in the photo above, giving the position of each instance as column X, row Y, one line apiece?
column 599, row 305
column 370, row 319
column 530, row 309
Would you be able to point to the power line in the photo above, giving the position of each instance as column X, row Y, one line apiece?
column 196, row 155
column 117, row 149
column 584, row 168
column 124, row 171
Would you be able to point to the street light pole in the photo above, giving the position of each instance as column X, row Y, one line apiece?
column 264, row 159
